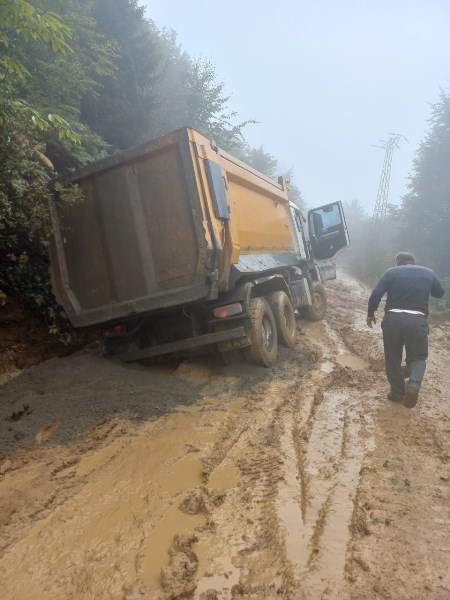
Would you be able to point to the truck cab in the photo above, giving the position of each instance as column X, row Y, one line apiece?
column 320, row 237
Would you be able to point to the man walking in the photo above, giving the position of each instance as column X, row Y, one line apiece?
column 408, row 287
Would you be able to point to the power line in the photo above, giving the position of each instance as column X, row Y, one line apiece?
column 379, row 212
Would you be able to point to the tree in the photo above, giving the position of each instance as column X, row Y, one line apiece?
column 294, row 192
column 63, row 81
column 425, row 215
column 123, row 110
column 21, row 24
column 259, row 159
column 363, row 258
column 205, row 106
column 24, row 168
column 190, row 94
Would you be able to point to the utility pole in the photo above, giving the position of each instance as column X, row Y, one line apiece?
column 379, row 212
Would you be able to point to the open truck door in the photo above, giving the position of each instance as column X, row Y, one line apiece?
column 328, row 235
column 327, row 230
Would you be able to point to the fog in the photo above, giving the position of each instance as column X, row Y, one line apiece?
column 325, row 80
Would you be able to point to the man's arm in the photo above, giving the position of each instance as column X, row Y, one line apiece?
column 437, row 291
column 375, row 298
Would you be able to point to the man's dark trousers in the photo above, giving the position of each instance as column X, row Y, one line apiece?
column 410, row 331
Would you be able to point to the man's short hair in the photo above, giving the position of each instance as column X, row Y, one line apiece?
column 405, row 258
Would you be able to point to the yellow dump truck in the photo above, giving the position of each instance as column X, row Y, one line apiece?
column 178, row 245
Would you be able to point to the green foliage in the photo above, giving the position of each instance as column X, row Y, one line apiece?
column 24, row 168
column 21, row 19
column 64, row 81
column 22, row 24
column 124, row 109
column 367, row 258
column 204, row 105
column 259, row 159
column 294, row 193
column 24, row 226
column 80, row 71
column 442, row 304
column 425, row 218
column 187, row 93
column 373, row 249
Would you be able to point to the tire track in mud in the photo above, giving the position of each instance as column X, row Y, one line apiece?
column 332, row 520
column 402, row 505
column 325, row 437
column 249, row 555
column 291, row 511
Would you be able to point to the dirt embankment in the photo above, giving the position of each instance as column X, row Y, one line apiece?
column 203, row 481
column 25, row 340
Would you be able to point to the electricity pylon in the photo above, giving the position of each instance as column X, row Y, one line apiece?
column 379, row 212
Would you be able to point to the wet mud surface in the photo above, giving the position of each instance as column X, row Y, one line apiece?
column 196, row 480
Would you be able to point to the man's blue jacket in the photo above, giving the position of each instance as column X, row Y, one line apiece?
column 408, row 287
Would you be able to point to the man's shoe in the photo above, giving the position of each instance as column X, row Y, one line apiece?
column 394, row 397
column 411, row 395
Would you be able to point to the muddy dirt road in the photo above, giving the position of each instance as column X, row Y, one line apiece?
column 195, row 480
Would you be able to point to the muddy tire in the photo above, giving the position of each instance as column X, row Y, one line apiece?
column 318, row 308
column 284, row 315
column 263, row 334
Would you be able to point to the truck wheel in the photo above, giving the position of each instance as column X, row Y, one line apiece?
column 284, row 315
column 263, row 334
column 318, row 308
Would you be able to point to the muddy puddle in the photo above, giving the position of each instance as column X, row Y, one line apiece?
column 346, row 359
column 336, row 352
column 124, row 518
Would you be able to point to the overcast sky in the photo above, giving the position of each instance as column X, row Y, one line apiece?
column 325, row 79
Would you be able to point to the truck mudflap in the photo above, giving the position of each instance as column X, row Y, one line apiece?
column 186, row 344
column 326, row 268
column 300, row 292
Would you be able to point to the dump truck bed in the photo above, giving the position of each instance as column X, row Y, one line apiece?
column 137, row 242
column 155, row 231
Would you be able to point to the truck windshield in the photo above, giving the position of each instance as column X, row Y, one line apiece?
column 325, row 219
